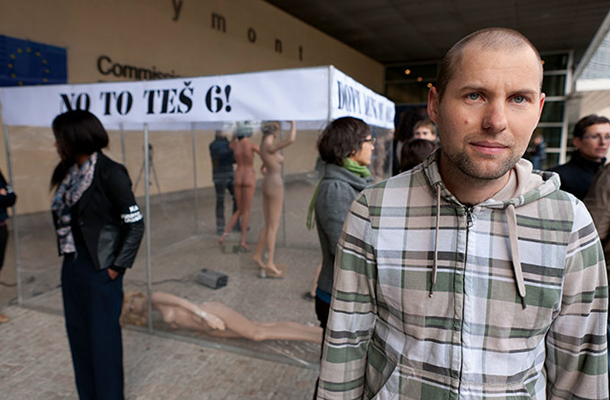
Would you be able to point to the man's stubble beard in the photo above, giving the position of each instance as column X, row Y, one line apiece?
column 467, row 166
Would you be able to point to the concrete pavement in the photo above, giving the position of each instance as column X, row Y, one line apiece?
column 35, row 364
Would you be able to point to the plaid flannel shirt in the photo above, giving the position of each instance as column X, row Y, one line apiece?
column 387, row 338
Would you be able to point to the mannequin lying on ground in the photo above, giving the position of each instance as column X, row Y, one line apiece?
column 213, row 318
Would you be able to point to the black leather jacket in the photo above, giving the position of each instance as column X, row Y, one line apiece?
column 107, row 217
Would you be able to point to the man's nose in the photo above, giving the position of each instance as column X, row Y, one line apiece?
column 494, row 119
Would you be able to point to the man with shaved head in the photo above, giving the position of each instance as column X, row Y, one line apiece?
column 471, row 276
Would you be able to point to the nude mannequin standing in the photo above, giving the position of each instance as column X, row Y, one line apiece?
column 273, row 195
column 244, row 182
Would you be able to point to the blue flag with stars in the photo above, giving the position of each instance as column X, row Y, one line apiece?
column 23, row 62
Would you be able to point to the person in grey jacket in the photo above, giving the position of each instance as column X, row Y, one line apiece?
column 345, row 146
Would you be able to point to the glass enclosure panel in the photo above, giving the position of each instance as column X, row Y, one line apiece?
column 187, row 258
column 187, row 261
column 34, row 158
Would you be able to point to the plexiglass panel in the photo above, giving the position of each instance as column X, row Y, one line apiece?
column 188, row 264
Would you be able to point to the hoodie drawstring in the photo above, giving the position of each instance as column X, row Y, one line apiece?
column 511, row 220
column 438, row 224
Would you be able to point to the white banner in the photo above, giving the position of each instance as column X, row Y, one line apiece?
column 298, row 94
column 350, row 98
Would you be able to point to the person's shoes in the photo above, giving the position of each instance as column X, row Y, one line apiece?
column 265, row 273
column 241, row 249
column 4, row 318
column 307, row 296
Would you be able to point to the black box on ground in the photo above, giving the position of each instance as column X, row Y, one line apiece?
column 212, row 279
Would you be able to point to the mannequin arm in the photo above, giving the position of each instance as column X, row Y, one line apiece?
column 292, row 136
column 161, row 298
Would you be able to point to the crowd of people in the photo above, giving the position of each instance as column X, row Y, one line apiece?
column 470, row 273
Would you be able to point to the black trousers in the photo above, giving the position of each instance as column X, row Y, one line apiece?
column 222, row 184
column 3, row 240
column 92, row 307
column 322, row 311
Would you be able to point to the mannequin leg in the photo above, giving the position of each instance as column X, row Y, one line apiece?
column 241, row 326
column 287, row 330
column 262, row 237
column 246, row 205
column 275, row 213
column 238, row 188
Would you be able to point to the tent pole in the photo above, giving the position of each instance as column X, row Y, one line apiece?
column 147, row 226
column 195, row 178
column 15, row 226
column 123, row 144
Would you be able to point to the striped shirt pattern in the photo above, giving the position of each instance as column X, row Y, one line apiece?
column 473, row 339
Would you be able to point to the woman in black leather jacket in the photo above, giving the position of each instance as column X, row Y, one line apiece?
column 99, row 228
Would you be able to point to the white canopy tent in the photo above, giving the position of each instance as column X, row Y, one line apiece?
column 310, row 96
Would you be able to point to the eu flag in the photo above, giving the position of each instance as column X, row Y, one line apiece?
column 23, row 62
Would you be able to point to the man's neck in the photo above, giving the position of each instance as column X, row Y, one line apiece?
column 469, row 190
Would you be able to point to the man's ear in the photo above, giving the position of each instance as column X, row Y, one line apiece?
column 433, row 103
column 542, row 100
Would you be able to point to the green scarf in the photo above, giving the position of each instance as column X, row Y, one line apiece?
column 353, row 167
column 350, row 165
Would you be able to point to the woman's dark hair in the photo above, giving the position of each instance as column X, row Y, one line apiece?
column 76, row 132
column 585, row 122
column 414, row 152
column 342, row 138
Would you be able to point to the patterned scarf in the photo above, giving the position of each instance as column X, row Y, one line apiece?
column 68, row 193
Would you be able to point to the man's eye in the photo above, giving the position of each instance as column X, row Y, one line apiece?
column 474, row 96
column 519, row 99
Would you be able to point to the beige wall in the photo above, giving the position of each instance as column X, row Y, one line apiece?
column 142, row 33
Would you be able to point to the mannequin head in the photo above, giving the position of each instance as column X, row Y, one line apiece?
column 243, row 130
column 270, row 128
column 135, row 309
